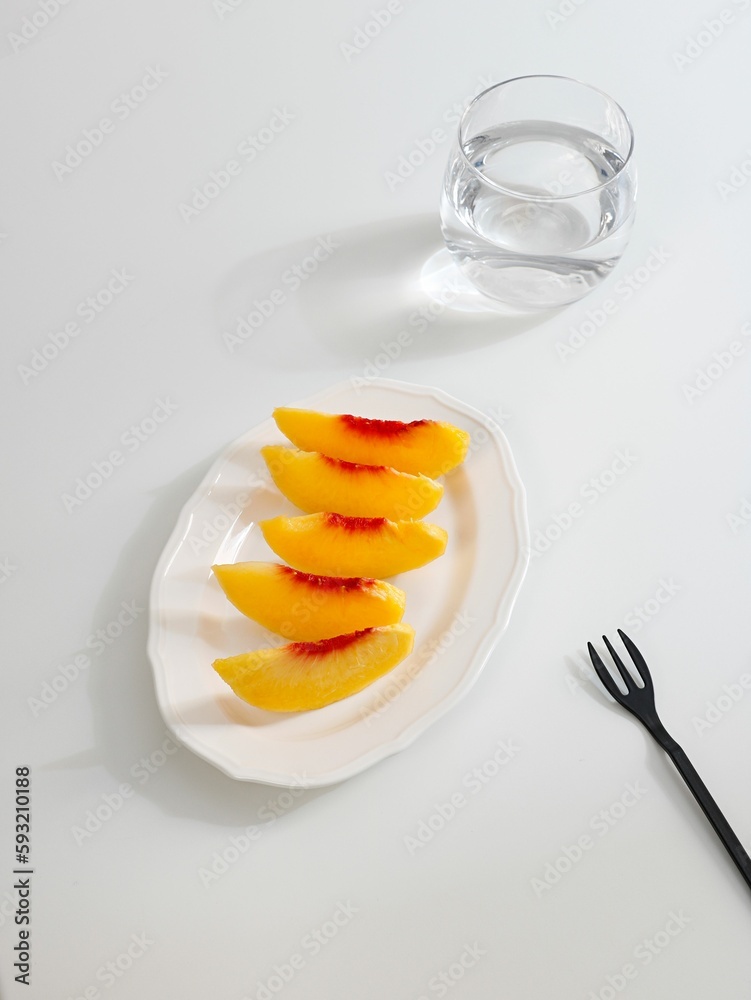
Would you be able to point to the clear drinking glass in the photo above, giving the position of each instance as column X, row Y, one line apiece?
column 539, row 194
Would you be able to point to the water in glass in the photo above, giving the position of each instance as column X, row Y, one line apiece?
column 529, row 215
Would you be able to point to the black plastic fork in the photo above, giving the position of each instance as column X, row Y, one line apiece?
column 640, row 702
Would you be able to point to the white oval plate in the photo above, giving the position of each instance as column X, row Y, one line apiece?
column 459, row 605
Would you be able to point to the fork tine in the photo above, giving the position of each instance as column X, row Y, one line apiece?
column 628, row 680
column 604, row 674
column 639, row 662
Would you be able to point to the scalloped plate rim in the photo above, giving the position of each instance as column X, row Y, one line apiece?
column 504, row 608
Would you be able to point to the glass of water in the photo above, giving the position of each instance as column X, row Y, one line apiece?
column 538, row 198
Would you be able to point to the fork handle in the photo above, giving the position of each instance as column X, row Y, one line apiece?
column 709, row 807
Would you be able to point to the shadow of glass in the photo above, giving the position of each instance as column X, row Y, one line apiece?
column 584, row 676
column 365, row 303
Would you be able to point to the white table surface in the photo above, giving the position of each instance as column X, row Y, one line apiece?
column 652, row 870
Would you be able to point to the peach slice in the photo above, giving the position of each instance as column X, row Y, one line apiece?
column 306, row 675
column 430, row 447
column 335, row 545
column 303, row 607
column 315, row 482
